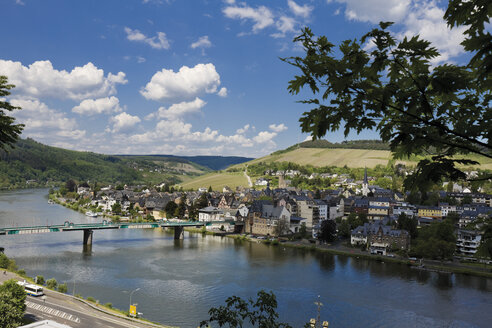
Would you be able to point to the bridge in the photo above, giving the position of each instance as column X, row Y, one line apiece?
column 88, row 228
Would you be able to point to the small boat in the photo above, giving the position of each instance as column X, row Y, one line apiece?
column 91, row 214
column 50, row 201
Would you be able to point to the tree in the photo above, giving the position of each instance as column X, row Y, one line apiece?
column 442, row 111
column 409, row 224
column 181, row 209
column 210, row 189
column 9, row 132
column 436, row 241
column 344, row 229
column 12, row 304
column 51, row 283
column 281, row 228
column 237, row 313
column 116, row 208
column 328, row 231
column 40, row 280
column 170, row 208
column 71, row 185
column 62, row 288
column 303, row 230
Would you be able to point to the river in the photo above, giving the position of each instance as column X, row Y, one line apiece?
column 180, row 280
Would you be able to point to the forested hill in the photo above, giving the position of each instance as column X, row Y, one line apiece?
column 31, row 163
column 352, row 144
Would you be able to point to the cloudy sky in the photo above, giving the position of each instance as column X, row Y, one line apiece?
column 183, row 77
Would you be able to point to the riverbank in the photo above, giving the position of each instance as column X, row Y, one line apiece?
column 426, row 265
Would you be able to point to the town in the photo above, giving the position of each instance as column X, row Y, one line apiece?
column 375, row 219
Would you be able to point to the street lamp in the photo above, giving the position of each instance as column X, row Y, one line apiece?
column 133, row 291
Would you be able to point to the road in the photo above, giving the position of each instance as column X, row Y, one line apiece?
column 247, row 177
column 71, row 311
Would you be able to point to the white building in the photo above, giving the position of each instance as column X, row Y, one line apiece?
column 209, row 214
column 468, row 241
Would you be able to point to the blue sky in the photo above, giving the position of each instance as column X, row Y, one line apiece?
column 189, row 77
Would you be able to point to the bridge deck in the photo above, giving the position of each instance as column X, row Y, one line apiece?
column 68, row 226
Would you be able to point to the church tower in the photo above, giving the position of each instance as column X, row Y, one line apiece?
column 365, row 184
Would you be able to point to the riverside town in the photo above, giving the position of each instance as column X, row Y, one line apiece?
column 285, row 164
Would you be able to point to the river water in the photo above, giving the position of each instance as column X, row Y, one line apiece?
column 180, row 280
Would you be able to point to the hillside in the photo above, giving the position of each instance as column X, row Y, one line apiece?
column 353, row 157
column 212, row 162
column 216, row 180
column 33, row 164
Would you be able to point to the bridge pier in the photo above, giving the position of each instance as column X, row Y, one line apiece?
column 88, row 236
column 178, row 233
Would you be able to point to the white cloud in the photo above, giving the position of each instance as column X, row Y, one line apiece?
column 40, row 79
column 140, row 59
column 45, row 124
column 181, row 109
column 303, row 11
column 98, row 106
column 278, row 127
column 243, row 129
column 264, row 136
column 413, row 17
column 124, row 122
column 308, row 138
column 426, row 19
column 203, row 42
column 284, row 24
column 375, row 11
column 159, row 41
column 222, row 92
column 261, row 16
column 185, row 84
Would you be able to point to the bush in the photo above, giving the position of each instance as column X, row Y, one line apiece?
column 21, row 272
column 275, row 242
column 62, row 288
column 91, row 299
column 40, row 280
column 51, row 283
column 109, row 305
column 4, row 261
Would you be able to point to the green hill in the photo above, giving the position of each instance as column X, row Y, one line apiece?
column 33, row 164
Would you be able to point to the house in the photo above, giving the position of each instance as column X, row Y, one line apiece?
column 209, row 214
column 380, row 237
column 264, row 217
column 468, row 241
column 310, row 211
column 377, row 212
column 429, row 212
column 225, row 226
column 261, row 182
column 296, row 223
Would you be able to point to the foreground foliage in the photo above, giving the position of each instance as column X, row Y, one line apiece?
column 251, row 313
column 12, row 304
column 418, row 108
column 9, row 131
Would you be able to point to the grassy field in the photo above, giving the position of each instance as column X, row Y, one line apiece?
column 217, row 180
column 354, row 158
column 330, row 157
